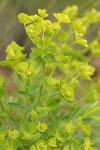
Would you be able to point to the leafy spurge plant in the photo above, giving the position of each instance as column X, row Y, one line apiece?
column 51, row 115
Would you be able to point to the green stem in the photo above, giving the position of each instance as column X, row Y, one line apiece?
column 50, row 39
column 2, row 104
column 42, row 78
column 39, row 98
column 18, row 81
column 74, row 79
column 52, row 71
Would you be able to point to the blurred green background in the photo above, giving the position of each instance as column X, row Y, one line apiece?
column 11, row 29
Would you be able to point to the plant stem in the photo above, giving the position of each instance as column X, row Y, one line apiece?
column 42, row 78
column 50, row 40
column 2, row 105
column 52, row 71
column 18, row 80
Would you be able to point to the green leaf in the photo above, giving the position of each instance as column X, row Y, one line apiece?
column 62, row 18
column 14, row 52
column 78, row 27
column 19, row 106
column 4, row 145
column 55, row 61
column 88, row 111
column 24, row 18
column 21, row 68
column 14, row 134
column 14, row 46
column 33, row 30
column 2, row 136
column 8, row 63
column 42, row 127
column 42, row 13
column 66, row 147
column 35, row 114
column 41, row 145
column 33, row 147
column 46, row 57
column 42, row 111
column 25, row 69
column 42, row 44
column 28, row 128
column 51, row 104
column 35, row 53
column 39, row 60
column 36, row 136
column 69, row 128
column 2, row 87
column 96, row 118
column 52, row 142
column 61, row 135
column 86, row 70
column 51, row 49
column 14, row 144
column 67, row 92
column 25, row 93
